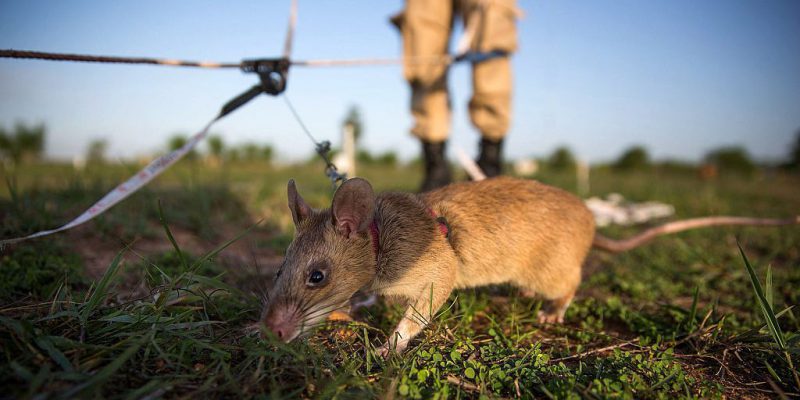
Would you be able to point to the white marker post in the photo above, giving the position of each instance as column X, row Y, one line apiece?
column 582, row 175
column 349, row 147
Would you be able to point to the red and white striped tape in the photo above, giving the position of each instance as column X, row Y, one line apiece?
column 125, row 189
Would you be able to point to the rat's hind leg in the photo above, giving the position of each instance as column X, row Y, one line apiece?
column 554, row 311
column 557, row 291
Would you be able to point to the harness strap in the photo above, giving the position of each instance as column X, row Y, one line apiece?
column 444, row 227
column 374, row 233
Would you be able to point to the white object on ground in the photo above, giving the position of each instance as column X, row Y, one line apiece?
column 615, row 210
column 526, row 167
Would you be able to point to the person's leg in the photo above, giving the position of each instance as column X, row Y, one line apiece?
column 490, row 105
column 490, row 110
column 437, row 169
column 425, row 26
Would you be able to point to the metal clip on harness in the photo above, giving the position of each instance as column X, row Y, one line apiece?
column 323, row 148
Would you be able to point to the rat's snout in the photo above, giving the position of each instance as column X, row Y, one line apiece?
column 282, row 321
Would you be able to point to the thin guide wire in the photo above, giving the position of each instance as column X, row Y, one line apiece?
column 322, row 148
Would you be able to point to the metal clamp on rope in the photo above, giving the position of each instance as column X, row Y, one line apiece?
column 273, row 73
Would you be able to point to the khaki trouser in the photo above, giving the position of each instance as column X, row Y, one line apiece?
column 426, row 26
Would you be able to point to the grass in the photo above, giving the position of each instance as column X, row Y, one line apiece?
column 158, row 298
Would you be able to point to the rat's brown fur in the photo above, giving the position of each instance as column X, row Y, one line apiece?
column 503, row 230
column 507, row 230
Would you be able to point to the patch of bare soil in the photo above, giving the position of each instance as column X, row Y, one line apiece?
column 243, row 258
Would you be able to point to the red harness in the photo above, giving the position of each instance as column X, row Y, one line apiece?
column 442, row 221
column 444, row 228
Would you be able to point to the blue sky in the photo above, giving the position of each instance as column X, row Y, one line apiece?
column 680, row 77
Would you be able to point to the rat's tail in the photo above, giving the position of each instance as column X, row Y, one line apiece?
column 618, row 246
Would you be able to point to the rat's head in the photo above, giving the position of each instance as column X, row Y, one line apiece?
column 329, row 259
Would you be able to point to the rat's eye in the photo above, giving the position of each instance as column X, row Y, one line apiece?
column 316, row 277
column 317, row 274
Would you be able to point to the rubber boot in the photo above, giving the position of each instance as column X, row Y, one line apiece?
column 491, row 158
column 437, row 170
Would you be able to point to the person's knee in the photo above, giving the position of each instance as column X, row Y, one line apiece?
column 498, row 25
column 425, row 27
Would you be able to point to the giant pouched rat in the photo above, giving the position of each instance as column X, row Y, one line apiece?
column 421, row 247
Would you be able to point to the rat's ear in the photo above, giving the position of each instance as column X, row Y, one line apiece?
column 353, row 206
column 300, row 210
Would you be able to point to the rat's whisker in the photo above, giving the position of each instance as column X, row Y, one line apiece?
column 308, row 326
column 316, row 304
column 305, row 304
column 325, row 310
column 319, row 312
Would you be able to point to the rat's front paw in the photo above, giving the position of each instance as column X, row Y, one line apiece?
column 389, row 348
column 384, row 351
